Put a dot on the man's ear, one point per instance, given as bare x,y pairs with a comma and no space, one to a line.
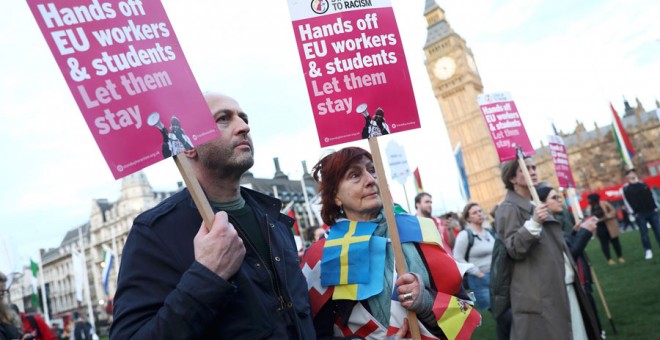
192,153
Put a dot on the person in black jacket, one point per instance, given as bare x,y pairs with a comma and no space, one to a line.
639,200
240,280
82,329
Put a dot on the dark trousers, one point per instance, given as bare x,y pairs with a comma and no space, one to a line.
503,325
642,219
626,223
605,240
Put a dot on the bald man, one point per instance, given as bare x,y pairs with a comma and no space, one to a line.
241,280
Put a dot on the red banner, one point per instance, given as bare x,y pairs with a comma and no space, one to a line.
505,126
129,77
560,159
355,69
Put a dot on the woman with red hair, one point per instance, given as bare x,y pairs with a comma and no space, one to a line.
352,206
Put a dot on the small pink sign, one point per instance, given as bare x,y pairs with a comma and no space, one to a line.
129,77
505,126
560,159
355,69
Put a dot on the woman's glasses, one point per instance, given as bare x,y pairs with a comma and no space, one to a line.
556,197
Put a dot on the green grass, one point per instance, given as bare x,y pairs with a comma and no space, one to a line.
632,292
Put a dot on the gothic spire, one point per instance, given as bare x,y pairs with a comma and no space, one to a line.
278,172
438,27
430,5
629,111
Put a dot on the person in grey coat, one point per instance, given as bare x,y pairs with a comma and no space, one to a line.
542,266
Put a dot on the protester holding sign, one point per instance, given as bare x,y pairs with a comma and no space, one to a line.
541,267
350,274
238,280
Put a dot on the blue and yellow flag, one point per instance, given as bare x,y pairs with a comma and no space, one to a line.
417,229
345,252
353,260
363,291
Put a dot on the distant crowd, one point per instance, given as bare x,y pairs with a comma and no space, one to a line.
234,271
15,324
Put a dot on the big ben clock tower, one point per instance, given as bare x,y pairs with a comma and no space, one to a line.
456,84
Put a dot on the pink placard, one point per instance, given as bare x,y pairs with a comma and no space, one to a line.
560,159
355,69
129,77
505,126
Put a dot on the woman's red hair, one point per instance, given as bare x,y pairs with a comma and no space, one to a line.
329,172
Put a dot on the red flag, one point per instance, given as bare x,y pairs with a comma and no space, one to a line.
296,229
622,140
418,180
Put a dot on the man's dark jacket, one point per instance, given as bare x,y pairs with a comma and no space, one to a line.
163,293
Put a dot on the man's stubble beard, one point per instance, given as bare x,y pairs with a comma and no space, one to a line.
427,213
424,212
222,161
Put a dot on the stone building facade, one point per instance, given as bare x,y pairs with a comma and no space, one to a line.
593,154
108,227
290,191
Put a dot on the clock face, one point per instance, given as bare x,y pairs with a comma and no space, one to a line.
472,64
444,68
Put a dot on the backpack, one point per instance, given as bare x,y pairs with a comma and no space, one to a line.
470,236
471,241
501,271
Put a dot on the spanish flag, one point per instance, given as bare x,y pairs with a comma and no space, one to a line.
456,317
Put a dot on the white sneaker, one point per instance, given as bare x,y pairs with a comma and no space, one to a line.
649,254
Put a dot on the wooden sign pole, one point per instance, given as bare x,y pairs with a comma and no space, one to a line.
195,189
405,192
528,178
575,205
388,206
